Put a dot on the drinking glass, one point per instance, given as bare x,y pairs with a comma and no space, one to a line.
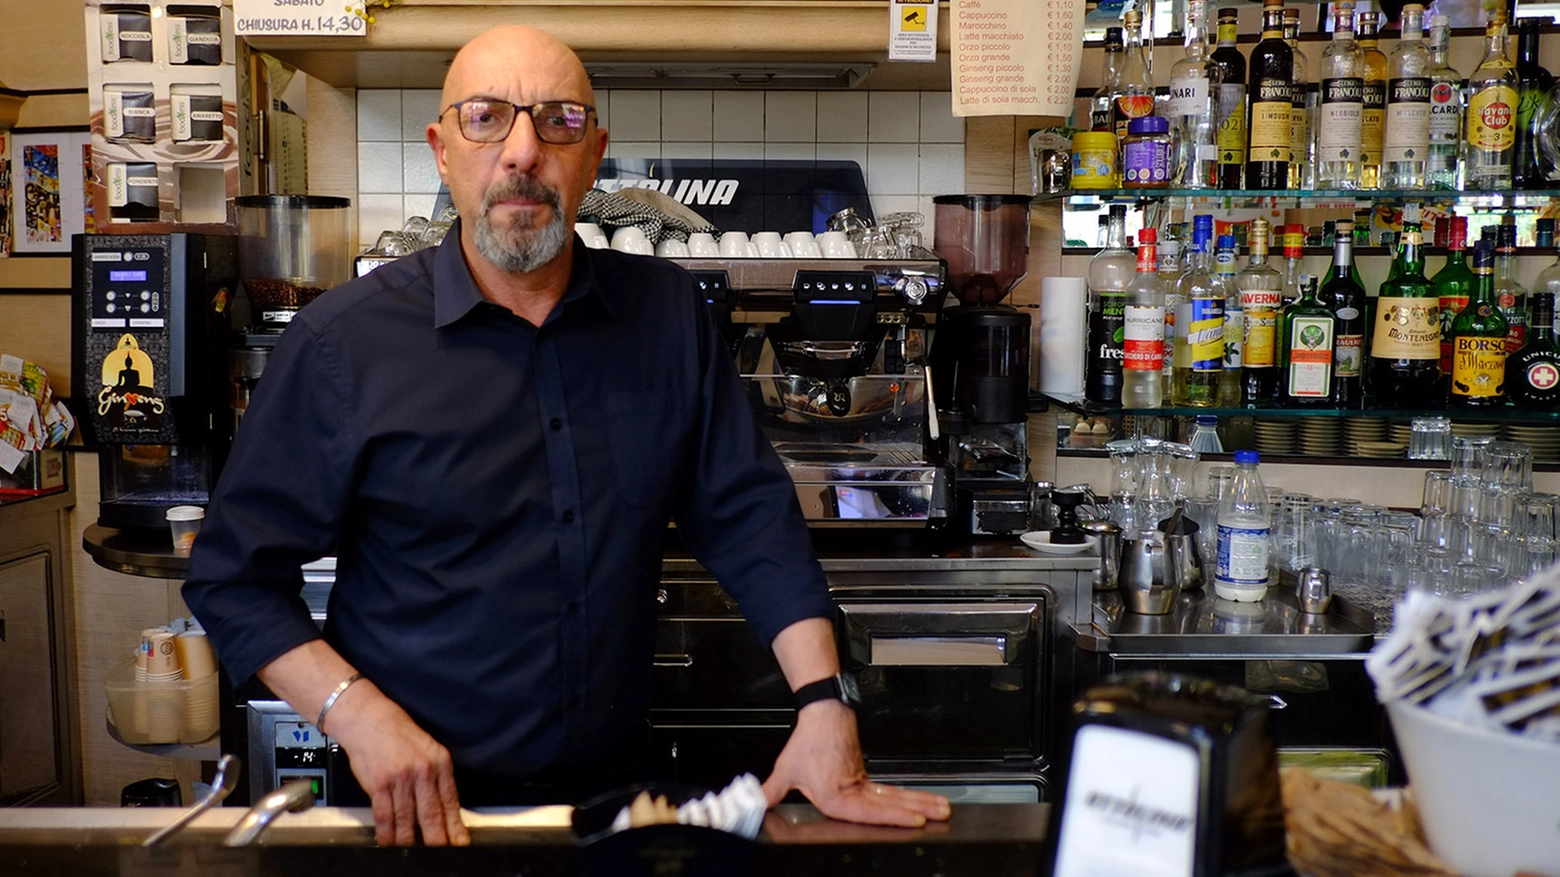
1219,480
1468,456
1498,505
1293,544
1437,497
1430,438
1508,464
1467,494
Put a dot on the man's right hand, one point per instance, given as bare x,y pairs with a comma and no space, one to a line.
406,773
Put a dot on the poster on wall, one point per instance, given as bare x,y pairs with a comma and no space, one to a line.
48,192
5,194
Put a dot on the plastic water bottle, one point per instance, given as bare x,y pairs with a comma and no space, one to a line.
1205,435
1244,528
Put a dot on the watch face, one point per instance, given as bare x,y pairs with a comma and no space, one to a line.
849,690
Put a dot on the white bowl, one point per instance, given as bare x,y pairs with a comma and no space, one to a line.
1489,800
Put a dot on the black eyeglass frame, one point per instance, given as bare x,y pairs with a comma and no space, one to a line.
527,109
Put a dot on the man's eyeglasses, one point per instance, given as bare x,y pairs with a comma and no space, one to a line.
485,120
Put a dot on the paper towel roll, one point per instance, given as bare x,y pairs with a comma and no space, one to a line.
1064,330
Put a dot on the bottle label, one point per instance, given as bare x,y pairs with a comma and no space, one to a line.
1270,121
1106,333
1373,118
1205,334
1188,97
1234,338
1259,311
1299,125
1170,346
1232,124
1311,357
1143,338
1243,555
1181,354
1407,328
1348,355
1478,365
1492,119
1128,107
1445,113
1451,306
1408,120
1338,126
1145,162
1542,376
1528,105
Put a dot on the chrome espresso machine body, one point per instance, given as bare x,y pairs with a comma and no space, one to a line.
833,352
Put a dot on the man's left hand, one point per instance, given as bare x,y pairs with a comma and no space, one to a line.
822,760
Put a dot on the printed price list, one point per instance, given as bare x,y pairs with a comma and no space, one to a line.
1016,56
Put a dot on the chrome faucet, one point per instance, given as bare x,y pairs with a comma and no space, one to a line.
222,785
295,797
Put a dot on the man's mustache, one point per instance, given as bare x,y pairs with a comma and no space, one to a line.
528,188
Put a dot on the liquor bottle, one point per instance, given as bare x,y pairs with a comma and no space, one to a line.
1479,342
1224,273
1272,68
1193,107
1533,373
1446,111
1453,284
1529,168
1406,143
1241,571
1143,320
1373,115
1231,138
1341,105
1261,289
1199,340
1105,98
1492,110
1306,365
1344,296
1110,274
1302,171
1292,242
1548,280
1405,346
1135,95
1510,295
1169,275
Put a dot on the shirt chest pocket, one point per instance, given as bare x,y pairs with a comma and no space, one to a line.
646,434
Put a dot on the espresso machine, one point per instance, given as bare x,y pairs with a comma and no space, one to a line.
980,357
833,353
151,317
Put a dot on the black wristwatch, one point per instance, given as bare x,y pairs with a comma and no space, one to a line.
840,686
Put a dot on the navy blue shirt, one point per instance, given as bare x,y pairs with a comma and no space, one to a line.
497,496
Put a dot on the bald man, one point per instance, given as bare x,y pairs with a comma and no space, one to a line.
491,436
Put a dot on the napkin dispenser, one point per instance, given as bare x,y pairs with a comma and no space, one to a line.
1170,776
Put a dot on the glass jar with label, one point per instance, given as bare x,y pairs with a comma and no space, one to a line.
1146,154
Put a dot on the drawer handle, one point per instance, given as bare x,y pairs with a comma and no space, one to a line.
672,661
939,651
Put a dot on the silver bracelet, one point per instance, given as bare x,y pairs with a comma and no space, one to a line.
319,723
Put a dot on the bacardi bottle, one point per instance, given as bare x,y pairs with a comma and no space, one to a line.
1341,105
1272,69
1442,168
1492,113
1406,143
1104,99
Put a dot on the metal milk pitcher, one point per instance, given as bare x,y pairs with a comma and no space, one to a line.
1145,587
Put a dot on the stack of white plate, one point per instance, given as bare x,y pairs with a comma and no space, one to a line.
1319,437
1462,429
1378,449
1544,440
1367,437
1274,436
1400,431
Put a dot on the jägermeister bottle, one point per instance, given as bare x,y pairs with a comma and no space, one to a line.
1307,365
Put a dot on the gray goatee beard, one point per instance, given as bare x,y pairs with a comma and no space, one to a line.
520,249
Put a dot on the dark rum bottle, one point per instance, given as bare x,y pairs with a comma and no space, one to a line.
1268,90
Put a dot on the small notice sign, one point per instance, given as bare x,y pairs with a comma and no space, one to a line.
299,18
1016,57
912,30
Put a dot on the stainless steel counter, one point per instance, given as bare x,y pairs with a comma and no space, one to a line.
1199,624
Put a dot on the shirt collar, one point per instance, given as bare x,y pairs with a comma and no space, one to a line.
455,292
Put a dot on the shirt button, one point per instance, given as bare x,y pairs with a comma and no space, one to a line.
556,424
568,516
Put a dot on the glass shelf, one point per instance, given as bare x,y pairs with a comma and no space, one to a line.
1503,197
1506,414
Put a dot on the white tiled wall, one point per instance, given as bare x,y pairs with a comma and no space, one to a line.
909,144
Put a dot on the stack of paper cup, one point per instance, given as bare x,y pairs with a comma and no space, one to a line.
199,664
163,688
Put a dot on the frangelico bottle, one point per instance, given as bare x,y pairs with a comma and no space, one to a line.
1231,138
1344,296
1110,273
1405,346
1533,372
1268,90
1479,342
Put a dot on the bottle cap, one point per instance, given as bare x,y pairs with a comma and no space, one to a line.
1148,125
1207,420
1507,236
1148,235
1244,457
1113,36
1226,242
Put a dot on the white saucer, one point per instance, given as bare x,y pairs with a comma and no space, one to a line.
1040,540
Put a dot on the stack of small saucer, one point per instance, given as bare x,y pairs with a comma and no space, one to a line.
1543,440
1319,437
1463,429
1400,431
1367,437
1274,436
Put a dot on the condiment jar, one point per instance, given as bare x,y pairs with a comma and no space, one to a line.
1094,160
1146,154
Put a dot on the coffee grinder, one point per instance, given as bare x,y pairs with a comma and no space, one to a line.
980,359
150,327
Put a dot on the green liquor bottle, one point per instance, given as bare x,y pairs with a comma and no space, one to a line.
1405,346
1344,295
1453,284
1307,366
1479,342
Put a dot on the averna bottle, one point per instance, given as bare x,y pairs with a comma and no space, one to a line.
1224,273
1340,105
1143,340
1105,98
1241,571
1135,97
1406,144
1492,110
1199,352
1344,295
1231,138
1110,274
1453,285
1306,366
1479,342
1272,68
1510,296
1193,106
1302,170
1261,291
1442,169
1374,115
1405,345
1529,169
1533,373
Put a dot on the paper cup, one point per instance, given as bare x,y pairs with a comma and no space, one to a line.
162,657
184,523
196,657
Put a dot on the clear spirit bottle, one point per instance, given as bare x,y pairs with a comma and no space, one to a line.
1193,107
1442,168
1340,106
1492,113
1406,144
